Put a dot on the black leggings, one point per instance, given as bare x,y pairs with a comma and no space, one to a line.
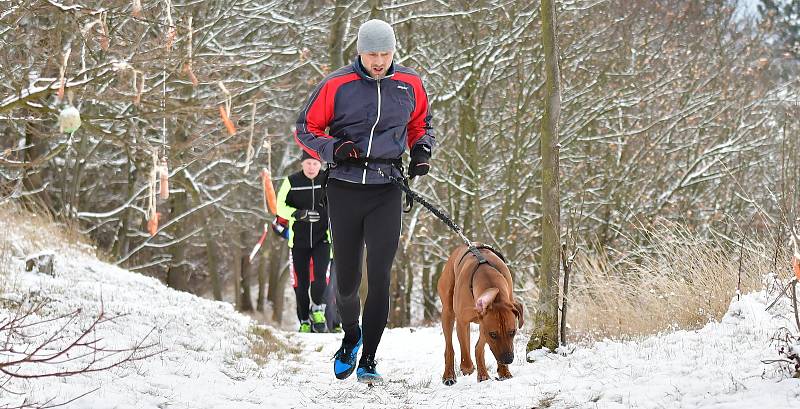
332,312
301,258
359,215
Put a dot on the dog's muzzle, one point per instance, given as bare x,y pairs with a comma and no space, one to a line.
507,358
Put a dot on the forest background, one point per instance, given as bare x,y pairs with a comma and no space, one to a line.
679,123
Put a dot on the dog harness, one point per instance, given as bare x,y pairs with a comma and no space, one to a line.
475,250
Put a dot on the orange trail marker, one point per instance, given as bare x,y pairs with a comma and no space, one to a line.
164,173
227,121
269,192
152,224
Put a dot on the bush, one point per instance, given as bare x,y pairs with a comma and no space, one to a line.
676,280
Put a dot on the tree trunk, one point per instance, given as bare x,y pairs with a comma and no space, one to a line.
427,293
245,268
262,280
237,270
335,51
212,259
545,332
279,305
181,203
33,179
122,242
409,287
376,9
397,291
468,127
273,275
277,283
430,279
81,157
177,270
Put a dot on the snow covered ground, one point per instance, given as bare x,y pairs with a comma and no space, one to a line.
207,361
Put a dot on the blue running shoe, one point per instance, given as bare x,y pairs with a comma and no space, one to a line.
366,372
345,359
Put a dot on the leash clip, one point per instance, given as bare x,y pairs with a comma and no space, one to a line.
402,180
475,252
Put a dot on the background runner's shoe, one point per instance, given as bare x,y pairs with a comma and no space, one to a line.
318,323
305,326
345,359
366,372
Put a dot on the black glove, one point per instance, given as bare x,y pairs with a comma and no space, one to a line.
420,161
304,215
344,150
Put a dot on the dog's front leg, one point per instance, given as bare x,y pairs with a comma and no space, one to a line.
462,331
502,372
448,319
483,374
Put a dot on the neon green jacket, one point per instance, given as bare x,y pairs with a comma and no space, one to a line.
299,192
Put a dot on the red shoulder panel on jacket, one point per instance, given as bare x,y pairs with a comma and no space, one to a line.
420,118
320,112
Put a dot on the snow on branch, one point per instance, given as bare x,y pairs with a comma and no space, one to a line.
33,346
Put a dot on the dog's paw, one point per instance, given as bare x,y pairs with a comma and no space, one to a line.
482,378
449,381
503,373
467,370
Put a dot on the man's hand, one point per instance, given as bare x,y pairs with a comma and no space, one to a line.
305,215
344,150
420,161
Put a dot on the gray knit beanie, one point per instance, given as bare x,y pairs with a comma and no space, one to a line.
375,36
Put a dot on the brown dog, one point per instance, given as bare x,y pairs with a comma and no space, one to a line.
479,293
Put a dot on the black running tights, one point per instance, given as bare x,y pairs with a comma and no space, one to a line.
364,215
301,280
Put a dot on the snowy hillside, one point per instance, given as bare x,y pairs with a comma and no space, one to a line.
215,358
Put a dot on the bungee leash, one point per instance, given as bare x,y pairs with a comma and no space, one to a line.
402,183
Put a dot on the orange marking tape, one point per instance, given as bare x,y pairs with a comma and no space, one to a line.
227,121
269,192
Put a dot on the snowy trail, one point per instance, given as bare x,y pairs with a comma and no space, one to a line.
207,364
718,366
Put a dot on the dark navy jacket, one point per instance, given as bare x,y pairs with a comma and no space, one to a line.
382,117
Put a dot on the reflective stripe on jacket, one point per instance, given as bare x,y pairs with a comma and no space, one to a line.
299,192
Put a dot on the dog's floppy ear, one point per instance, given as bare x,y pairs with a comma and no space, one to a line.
519,312
486,299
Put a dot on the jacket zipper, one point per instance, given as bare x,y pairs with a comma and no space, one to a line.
372,132
311,233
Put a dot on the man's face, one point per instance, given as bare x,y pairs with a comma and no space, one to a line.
311,167
377,63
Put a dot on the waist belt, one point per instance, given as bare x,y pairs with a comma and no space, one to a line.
362,162
397,163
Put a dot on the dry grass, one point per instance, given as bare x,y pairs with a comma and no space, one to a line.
264,345
26,229
546,401
679,281
5,266
33,229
